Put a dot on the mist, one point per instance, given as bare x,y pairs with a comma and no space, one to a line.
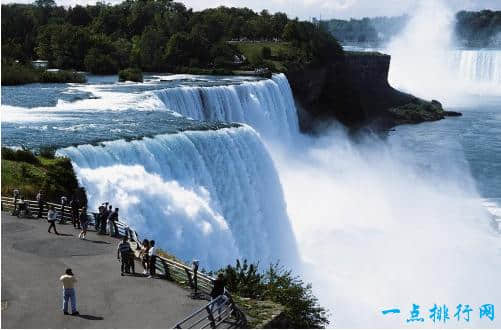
427,63
380,227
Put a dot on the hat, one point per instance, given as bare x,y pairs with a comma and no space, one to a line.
69,271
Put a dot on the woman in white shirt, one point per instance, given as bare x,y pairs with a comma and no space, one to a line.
51,218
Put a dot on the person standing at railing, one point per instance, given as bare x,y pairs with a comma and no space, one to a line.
41,202
64,202
145,247
217,293
84,222
195,265
74,204
103,219
69,281
152,253
51,218
16,197
112,219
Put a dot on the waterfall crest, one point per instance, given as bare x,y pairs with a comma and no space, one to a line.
212,195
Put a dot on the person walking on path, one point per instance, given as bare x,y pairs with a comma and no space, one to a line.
51,218
152,253
40,200
123,252
69,280
84,222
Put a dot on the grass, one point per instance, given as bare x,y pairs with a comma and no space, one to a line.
30,173
279,53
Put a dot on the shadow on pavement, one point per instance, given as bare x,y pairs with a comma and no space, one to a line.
61,234
97,242
90,317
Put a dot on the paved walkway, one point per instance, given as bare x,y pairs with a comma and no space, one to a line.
33,260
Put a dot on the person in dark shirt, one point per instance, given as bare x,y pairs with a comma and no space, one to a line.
123,253
218,292
74,204
113,218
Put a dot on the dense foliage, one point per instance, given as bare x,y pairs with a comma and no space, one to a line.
28,172
375,31
280,286
153,35
130,74
479,29
15,74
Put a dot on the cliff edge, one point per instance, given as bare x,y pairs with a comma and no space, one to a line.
354,90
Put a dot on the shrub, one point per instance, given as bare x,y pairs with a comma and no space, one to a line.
278,285
17,74
266,52
21,155
49,153
62,76
130,74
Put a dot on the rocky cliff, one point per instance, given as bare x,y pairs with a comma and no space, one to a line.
354,89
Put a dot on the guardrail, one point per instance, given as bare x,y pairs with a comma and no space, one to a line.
165,268
206,317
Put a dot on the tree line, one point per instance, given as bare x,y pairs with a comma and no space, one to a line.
479,28
153,35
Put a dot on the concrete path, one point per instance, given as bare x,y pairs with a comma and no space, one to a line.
33,260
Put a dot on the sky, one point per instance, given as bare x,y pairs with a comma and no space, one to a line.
326,9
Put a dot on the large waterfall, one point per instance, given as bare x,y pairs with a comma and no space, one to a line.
480,66
267,105
212,195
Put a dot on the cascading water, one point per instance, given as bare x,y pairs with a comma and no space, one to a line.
267,105
212,195
478,66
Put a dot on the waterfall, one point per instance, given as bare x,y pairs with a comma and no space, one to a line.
212,195
482,66
267,105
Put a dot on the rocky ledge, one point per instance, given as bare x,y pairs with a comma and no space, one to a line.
354,90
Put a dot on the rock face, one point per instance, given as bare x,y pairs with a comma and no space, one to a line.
354,89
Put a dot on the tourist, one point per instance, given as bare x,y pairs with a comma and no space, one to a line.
74,204
40,200
217,291
152,254
69,280
104,218
51,218
195,265
123,254
143,255
97,220
84,222
16,197
64,202
112,219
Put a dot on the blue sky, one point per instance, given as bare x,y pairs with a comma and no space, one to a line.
305,9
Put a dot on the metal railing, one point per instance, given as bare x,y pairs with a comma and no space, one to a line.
165,268
212,315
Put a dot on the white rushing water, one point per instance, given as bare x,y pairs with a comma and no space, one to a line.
267,105
210,195
375,227
478,66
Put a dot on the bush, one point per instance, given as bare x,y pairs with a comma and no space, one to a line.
130,74
280,286
62,76
49,153
266,52
21,155
17,74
